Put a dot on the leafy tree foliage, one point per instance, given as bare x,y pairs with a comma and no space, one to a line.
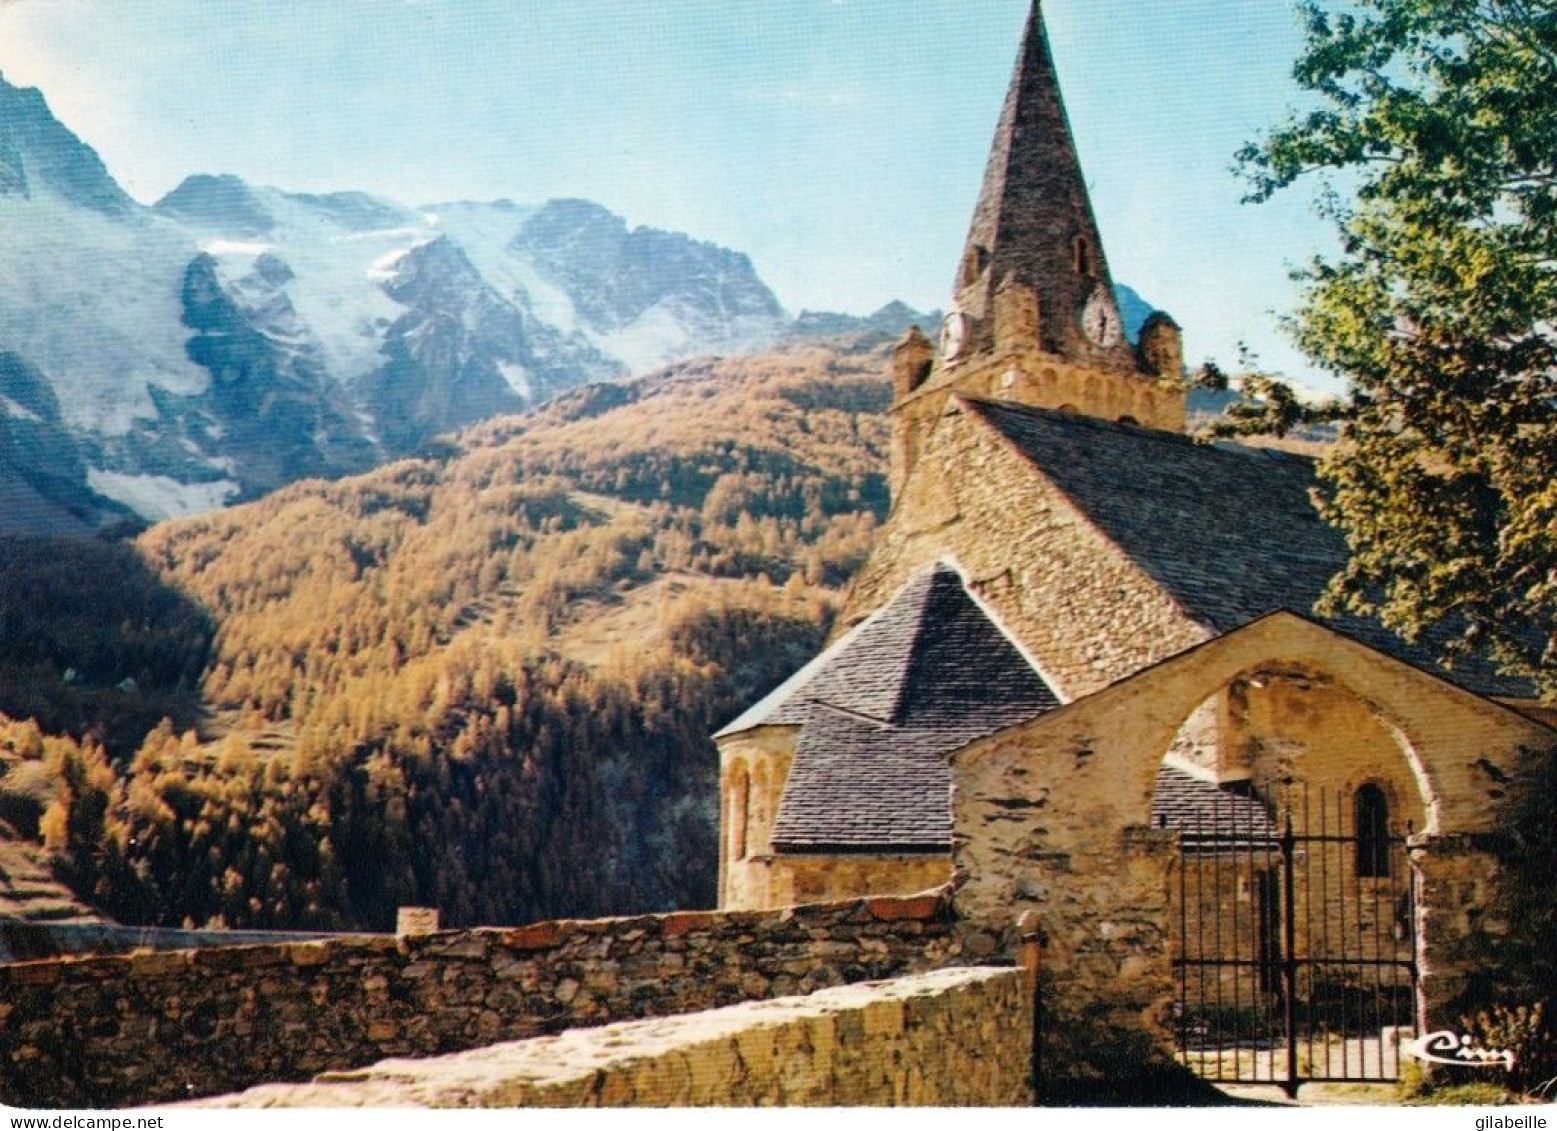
1433,136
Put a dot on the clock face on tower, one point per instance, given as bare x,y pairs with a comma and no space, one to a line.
1099,319
954,335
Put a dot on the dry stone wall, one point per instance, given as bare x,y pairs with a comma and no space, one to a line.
956,1037
142,1028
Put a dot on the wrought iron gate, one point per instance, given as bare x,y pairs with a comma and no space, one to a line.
1296,960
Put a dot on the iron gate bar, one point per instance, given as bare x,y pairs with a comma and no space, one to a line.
1320,996
1269,914
1289,936
1308,920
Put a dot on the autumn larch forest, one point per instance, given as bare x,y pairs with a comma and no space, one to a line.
482,679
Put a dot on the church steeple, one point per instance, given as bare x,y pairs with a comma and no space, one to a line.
1033,231
1033,319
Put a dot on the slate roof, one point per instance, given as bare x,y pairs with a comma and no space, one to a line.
1228,531
880,711
1209,815
1033,208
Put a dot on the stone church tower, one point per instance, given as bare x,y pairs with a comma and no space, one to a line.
1033,318
1082,640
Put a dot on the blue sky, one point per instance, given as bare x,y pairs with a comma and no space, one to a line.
840,143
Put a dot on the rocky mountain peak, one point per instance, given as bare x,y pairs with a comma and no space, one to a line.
245,336
615,274
39,155
223,203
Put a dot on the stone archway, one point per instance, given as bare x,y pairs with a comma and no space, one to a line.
1054,816
1281,728
1296,944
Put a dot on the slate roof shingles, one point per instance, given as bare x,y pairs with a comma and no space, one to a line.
882,710
1229,532
1209,814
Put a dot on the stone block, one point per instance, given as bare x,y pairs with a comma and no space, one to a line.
416,921
457,945
157,964
44,973
679,923
883,1018
889,910
615,1089
258,957
309,954
535,936
226,958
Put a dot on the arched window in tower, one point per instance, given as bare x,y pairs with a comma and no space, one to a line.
974,260
1083,256
740,799
1370,811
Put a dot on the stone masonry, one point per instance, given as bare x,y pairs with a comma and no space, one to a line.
144,1028
957,1037
1054,816
1056,581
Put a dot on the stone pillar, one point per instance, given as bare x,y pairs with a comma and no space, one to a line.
1162,346
1459,932
1016,315
1029,956
416,921
1107,987
911,362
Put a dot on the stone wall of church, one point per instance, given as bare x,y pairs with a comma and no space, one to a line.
1032,834
1031,378
144,1028
957,1037
753,768
791,879
1084,612
1478,895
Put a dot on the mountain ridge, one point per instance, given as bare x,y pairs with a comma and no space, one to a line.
230,338
355,328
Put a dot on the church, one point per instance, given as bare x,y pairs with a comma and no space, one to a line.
1082,635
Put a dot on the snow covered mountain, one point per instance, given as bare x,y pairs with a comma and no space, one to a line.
229,339
161,361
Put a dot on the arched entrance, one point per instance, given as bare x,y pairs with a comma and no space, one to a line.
1055,815
1296,947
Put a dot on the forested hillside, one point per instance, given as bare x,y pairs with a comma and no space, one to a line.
482,679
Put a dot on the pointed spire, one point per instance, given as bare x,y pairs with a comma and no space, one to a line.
1033,225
